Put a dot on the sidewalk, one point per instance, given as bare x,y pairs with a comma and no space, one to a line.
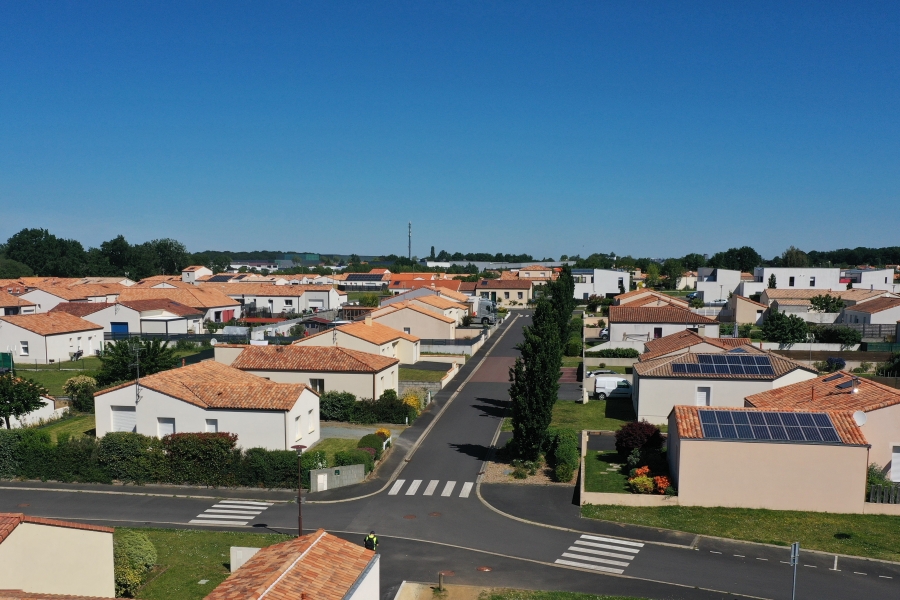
274,495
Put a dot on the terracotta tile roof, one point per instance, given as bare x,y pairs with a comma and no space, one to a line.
210,384
686,339
467,286
408,305
819,394
791,302
9,521
406,277
264,289
654,300
503,284
876,306
380,271
51,323
81,291
662,367
193,268
80,309
191,296
687,419
375,333
746,299
656,314
8,300
855,295
536,268
327,359
162,304
643,296
747,276
318,566
439,302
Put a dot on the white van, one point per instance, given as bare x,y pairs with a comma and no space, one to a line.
611,387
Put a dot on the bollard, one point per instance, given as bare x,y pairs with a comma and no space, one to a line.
440,582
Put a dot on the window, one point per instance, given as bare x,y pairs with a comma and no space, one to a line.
124,418
895,464
165,426
623,385
506,295
657,333
23,348
584,296
289,303
212,426
318,385
812,282
790,282
299,431
406,330
485,295
70,342
312,420
703,396
520,295
217,316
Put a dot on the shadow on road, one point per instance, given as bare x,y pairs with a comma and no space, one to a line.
490,407
478,451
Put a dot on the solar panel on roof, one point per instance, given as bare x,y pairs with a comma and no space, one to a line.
845,385
751,370
740,418
749,360
692,368
733,360
805,420
778,432
721,369
766,370
720,359
737,350
752,425
761,432
707,368
763,360
220,279
736,369
821,420
705,359
744,432
833,377
679,368
711,431
707,416
811,434
728,432
829,435
790,419
724,416
794,434
756,418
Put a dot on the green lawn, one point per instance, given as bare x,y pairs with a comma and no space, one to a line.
331,446
189,556
422,375
89,363
602,475
53,380
75,426
873,536
536,595
571,361
606,415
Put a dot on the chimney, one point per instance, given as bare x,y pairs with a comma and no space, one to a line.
369,319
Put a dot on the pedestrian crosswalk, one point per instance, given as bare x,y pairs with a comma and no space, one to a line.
431,488
231,512
608,555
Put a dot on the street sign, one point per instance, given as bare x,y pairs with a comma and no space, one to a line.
795,553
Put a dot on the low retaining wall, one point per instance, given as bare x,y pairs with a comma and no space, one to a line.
431,386
592,361
871,508
458,359
335,477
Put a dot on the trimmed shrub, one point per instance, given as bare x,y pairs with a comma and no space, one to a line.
36,457
639,435
9,452
374,442
565,454
201,458
386,409
573,347
80,390
383,433
641,485
337,406
131,457
355,457
75,459
613,353
133,555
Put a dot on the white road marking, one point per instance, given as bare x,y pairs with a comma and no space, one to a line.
466,488
600,552
583,553
413,487
740,556
811,566
207,522
231,512
714,552
605,561
246,502
885,577
395,489
448,488
244,518
612,541
586,566
432,485
607,546
858,573
762,559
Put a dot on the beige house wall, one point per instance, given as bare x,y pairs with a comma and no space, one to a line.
418,324
882,431
507,297
361,385
58,560
405,351
746,312
226,355
809,477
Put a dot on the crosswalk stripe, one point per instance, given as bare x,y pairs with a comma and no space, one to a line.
466,488
599,560
448,488
600,553
431,487
246,502
205,522
608,546
236,517
587,566
612,541
413,487
225,511
396,487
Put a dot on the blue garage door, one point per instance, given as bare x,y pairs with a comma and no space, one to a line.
119,329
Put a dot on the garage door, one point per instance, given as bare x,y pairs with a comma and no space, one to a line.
124,418
317,304
118,329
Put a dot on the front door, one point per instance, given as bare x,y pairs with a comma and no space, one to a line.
493,296
895,464
321,482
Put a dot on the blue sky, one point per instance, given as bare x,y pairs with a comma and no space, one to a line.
647,128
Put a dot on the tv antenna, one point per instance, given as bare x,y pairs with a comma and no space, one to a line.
137,349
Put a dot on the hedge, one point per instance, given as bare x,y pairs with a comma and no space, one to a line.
209,459
613,353
133,556
355,457
374,442
343,406
566,455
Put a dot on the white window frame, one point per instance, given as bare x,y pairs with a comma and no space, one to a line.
298,427
317,384
708,397
312,421
895,468
212,426
164,420
23,348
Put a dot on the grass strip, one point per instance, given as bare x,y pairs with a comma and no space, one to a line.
76,426
331,446
872,536
422,375
605,472
606,415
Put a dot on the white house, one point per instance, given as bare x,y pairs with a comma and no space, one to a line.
368,336
688,341
644,323
871,279
47,296
212,303
882,311
159,316
800,278
212,397
600,282
281,298
721,379
716,284
324,369
47,337
193,273
13,305
410,318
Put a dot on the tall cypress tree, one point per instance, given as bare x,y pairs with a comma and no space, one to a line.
535,381
561,294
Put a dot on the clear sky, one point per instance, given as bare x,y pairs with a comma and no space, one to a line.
649,128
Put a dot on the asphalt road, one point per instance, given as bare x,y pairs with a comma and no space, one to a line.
430,518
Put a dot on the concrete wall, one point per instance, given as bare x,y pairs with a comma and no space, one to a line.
46,413
619,332
885,317
825,279
58,560
335,477
600,282
43,349
227,355
362,385
116,314
745,311
715,284
810,477
274,430
405,351
882,431
43,301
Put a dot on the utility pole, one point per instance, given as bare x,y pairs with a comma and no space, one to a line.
137,364
795,559
409,243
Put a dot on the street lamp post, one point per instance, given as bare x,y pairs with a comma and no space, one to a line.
299,449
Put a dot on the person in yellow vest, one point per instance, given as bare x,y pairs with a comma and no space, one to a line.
371,541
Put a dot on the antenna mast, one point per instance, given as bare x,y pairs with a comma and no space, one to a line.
409,243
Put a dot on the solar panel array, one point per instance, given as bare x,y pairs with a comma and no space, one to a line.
219,279
766,426
727,364
364,277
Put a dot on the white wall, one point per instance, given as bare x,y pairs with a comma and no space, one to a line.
885,317
419,325
45,412
41,350
116,314
725,281
825,279
358,384
619,332
881,279
601,283
43,301
368,587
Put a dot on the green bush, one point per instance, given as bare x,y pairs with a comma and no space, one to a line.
201,458
563,472
641,485
336,406
614,353
131,457
80,390
354,457
573,347
875,476
835,334
75,459
9,452
566,455
374,442
386,409
133,555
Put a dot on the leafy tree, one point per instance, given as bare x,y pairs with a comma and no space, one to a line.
693,261
744,258
593,302
118,359
13,269
784,329
672,269
652,279
45,254
171,256
297,330
18,397
369,299
827,303
794,257
772,282
561,294
80,390
535,382
696,302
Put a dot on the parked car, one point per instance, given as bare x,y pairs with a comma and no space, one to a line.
719,302
611,387
604,333
597,372
693,295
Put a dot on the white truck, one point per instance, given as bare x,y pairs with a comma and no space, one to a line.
611,387
482,311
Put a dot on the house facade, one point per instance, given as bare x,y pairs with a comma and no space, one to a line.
412,319
629,323
505,292
605,283
49,337
11,305
368,336
882,311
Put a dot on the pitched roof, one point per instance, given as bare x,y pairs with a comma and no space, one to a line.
191,296
7,300
408,305
876,306
467,286
643,296
71,292
310,358
161,304
81,309
823,393
656,314
662,367
210,384
746,299
318,566
536,268
439,302
193,268
9,521
374,332
51,323
240,288
687,419
503,284
854,295
685,339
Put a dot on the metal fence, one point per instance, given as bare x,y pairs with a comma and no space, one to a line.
881,347
884,494
873,332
